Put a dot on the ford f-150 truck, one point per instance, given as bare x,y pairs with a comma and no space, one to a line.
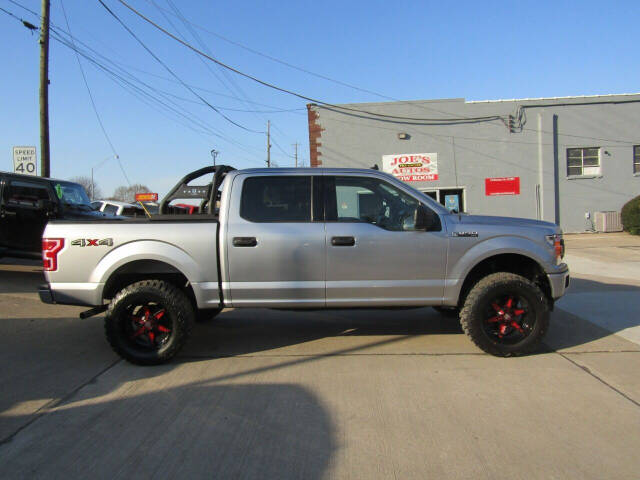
305,239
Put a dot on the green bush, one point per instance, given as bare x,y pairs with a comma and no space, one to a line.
631,216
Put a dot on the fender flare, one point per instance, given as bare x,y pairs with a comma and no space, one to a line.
145,250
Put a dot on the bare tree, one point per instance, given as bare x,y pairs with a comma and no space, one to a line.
86,183
128,193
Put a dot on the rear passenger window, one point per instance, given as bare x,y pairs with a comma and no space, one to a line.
276,199
25,194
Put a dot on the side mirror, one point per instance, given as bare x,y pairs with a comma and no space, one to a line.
425,219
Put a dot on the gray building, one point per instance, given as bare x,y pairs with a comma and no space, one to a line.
556,159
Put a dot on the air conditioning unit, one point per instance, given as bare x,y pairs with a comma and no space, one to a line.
608,222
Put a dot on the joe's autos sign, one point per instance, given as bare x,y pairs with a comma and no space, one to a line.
412,167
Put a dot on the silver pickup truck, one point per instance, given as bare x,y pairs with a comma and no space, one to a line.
305,239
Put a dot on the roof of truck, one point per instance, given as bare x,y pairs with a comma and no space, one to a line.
36,178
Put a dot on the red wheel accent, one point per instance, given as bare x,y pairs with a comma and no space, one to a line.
138,332
159,315
163,329
504,318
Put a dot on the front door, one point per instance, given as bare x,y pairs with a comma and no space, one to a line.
374,255
275,243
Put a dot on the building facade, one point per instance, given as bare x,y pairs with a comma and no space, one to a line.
555,159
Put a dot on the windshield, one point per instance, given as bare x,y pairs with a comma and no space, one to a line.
72,194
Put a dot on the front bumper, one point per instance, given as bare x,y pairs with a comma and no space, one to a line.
559,283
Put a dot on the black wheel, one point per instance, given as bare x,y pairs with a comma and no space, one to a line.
148,322
204,316
505,315
451,312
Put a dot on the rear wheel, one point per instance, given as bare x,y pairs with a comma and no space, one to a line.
505,315
148,322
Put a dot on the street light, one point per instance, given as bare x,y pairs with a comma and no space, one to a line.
95,167
214,154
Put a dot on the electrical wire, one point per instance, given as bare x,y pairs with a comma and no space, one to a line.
112,13
299,95
86,84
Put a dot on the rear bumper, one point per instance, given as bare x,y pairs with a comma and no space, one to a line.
46,295
82,294
559,283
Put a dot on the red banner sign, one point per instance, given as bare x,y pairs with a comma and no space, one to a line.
502,186
146,197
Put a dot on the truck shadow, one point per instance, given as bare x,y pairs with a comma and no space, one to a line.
21,277
198,430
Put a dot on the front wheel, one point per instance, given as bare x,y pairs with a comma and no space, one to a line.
148,322
505,315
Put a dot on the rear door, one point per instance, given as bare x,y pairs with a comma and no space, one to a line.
374,255
275,242
25,216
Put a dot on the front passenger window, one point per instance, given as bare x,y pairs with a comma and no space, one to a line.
370,200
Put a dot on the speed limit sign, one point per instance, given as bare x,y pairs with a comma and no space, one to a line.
24,160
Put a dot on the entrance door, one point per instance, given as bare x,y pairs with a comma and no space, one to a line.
452,199
275,243
374,254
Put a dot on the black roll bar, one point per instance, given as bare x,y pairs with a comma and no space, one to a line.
207,193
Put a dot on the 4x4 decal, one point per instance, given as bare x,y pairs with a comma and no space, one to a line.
92,242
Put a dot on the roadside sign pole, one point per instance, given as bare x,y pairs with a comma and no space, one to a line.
44,91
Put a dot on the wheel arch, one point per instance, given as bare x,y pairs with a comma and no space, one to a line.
517,263
144,269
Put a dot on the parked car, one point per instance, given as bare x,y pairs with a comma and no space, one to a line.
306,238
116,208
27,203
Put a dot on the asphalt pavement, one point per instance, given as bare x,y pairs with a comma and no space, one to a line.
336,394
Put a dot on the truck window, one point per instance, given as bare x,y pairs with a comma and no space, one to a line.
370,200
25,194
276,199
110,209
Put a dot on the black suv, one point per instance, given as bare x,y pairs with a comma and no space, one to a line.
27,203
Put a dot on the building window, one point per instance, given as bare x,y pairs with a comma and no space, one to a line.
583,161
636,159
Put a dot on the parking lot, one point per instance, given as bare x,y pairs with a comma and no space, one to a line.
337,394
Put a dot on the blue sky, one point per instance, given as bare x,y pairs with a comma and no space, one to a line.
406,50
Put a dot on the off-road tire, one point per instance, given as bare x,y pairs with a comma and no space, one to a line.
451,312
178,308
472,313
207,315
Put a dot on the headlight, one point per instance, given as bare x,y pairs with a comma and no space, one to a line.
556,241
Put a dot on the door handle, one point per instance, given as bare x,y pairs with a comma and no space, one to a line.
343,241
245,241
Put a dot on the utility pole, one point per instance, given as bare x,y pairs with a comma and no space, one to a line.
44,91
268,144
295,155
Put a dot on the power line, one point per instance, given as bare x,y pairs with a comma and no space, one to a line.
86,84
172,72
144,96
299,95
